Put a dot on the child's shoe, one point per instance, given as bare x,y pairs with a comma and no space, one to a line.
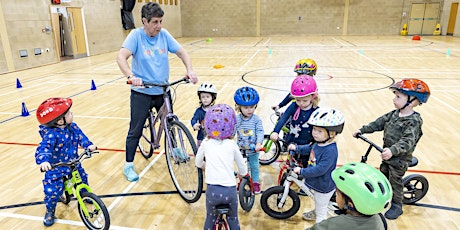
394,212
130,174
49,218
311,215
257,188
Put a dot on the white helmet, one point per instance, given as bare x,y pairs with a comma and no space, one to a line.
207,88
330,119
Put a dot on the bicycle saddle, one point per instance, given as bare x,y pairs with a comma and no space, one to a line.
223,209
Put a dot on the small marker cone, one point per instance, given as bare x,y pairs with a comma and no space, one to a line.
270,51
18,83
24,111
93,86
448,52
361,52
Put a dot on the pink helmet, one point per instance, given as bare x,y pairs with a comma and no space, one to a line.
303,85
220,121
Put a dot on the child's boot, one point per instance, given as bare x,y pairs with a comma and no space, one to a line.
257,188
49,218
394,212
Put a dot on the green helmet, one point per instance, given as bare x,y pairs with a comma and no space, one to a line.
367,187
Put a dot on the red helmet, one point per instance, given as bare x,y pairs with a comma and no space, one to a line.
52,109
413,87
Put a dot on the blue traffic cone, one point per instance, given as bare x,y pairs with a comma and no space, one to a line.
18,83
93,86
24,112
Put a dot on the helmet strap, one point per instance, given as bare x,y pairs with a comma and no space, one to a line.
328,138
409,101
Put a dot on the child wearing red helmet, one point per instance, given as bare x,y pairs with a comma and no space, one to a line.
402,129
60,140
221,153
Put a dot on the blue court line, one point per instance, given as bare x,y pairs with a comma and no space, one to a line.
454,209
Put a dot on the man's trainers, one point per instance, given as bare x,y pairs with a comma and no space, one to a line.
49,218
130,174
183,157
257,188
311,215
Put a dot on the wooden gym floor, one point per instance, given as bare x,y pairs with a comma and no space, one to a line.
353,75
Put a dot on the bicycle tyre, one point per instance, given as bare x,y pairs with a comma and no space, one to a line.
270,199
145,142
99,215
272,151
415,187
187,178
245,195
65,198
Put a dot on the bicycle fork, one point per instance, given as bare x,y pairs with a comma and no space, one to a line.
282,197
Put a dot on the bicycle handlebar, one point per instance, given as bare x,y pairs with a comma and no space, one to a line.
84,155
360,136
150,84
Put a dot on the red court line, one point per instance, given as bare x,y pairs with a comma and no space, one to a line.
122,150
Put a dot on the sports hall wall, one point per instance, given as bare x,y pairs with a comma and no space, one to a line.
23,22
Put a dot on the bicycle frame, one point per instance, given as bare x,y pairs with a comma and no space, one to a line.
297,179
79,185
179,146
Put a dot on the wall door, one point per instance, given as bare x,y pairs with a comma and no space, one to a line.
77,32
423,18
452,18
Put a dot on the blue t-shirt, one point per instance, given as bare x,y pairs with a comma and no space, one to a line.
150,57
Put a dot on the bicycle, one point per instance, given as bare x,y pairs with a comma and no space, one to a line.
272,152
222,211
415,185
246,194
92,210
180,146
281,202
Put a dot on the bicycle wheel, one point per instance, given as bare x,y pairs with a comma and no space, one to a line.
271,153
98,215
180,154
415,187
145,142
245,195
271,198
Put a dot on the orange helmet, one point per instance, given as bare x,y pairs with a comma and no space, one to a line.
53,109
413,87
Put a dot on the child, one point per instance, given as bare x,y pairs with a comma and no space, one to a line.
220,151
402,129
249,129
304,66
207,94
327,124
362,193
60,140
305,91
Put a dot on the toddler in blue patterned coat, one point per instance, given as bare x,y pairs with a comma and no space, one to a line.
60,141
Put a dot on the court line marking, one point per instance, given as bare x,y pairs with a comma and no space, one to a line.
60,221
131,185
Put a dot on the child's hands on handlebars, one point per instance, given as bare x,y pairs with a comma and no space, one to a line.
45,166
355,134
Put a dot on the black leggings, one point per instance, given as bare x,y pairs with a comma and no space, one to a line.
140,104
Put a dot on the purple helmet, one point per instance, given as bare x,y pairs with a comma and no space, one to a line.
220,121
